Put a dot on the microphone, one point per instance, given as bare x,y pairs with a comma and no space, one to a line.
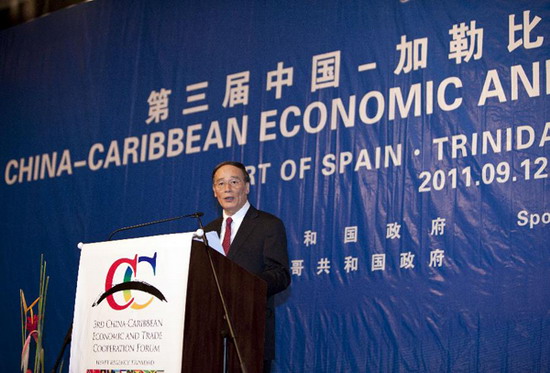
196,215
201,229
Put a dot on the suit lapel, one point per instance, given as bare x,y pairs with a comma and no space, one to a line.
246,228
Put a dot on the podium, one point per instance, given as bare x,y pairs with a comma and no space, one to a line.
245,296
153,304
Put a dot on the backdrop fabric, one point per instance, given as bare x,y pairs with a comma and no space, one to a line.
404,144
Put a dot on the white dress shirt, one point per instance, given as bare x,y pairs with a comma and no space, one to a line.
237,217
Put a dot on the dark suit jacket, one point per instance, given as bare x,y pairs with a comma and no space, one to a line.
260,247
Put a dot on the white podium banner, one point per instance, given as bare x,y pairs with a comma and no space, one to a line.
130,305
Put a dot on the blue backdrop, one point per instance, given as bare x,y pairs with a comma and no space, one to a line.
404,144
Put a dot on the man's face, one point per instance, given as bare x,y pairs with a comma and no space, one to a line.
230,189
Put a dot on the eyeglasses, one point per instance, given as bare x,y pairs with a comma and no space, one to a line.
233,183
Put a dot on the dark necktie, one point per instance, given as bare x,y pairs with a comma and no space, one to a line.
227,237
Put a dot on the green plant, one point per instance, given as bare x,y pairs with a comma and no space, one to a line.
32,324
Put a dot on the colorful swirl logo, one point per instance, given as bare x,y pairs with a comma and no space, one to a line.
129,284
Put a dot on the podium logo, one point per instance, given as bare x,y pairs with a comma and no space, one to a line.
122,295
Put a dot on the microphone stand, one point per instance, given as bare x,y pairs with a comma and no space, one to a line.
68,336
66,342
225,310
195,215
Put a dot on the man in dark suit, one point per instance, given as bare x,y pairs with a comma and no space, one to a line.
254,239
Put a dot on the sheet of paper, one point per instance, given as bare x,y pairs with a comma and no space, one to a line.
214,241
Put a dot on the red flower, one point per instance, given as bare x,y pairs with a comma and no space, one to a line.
32,323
